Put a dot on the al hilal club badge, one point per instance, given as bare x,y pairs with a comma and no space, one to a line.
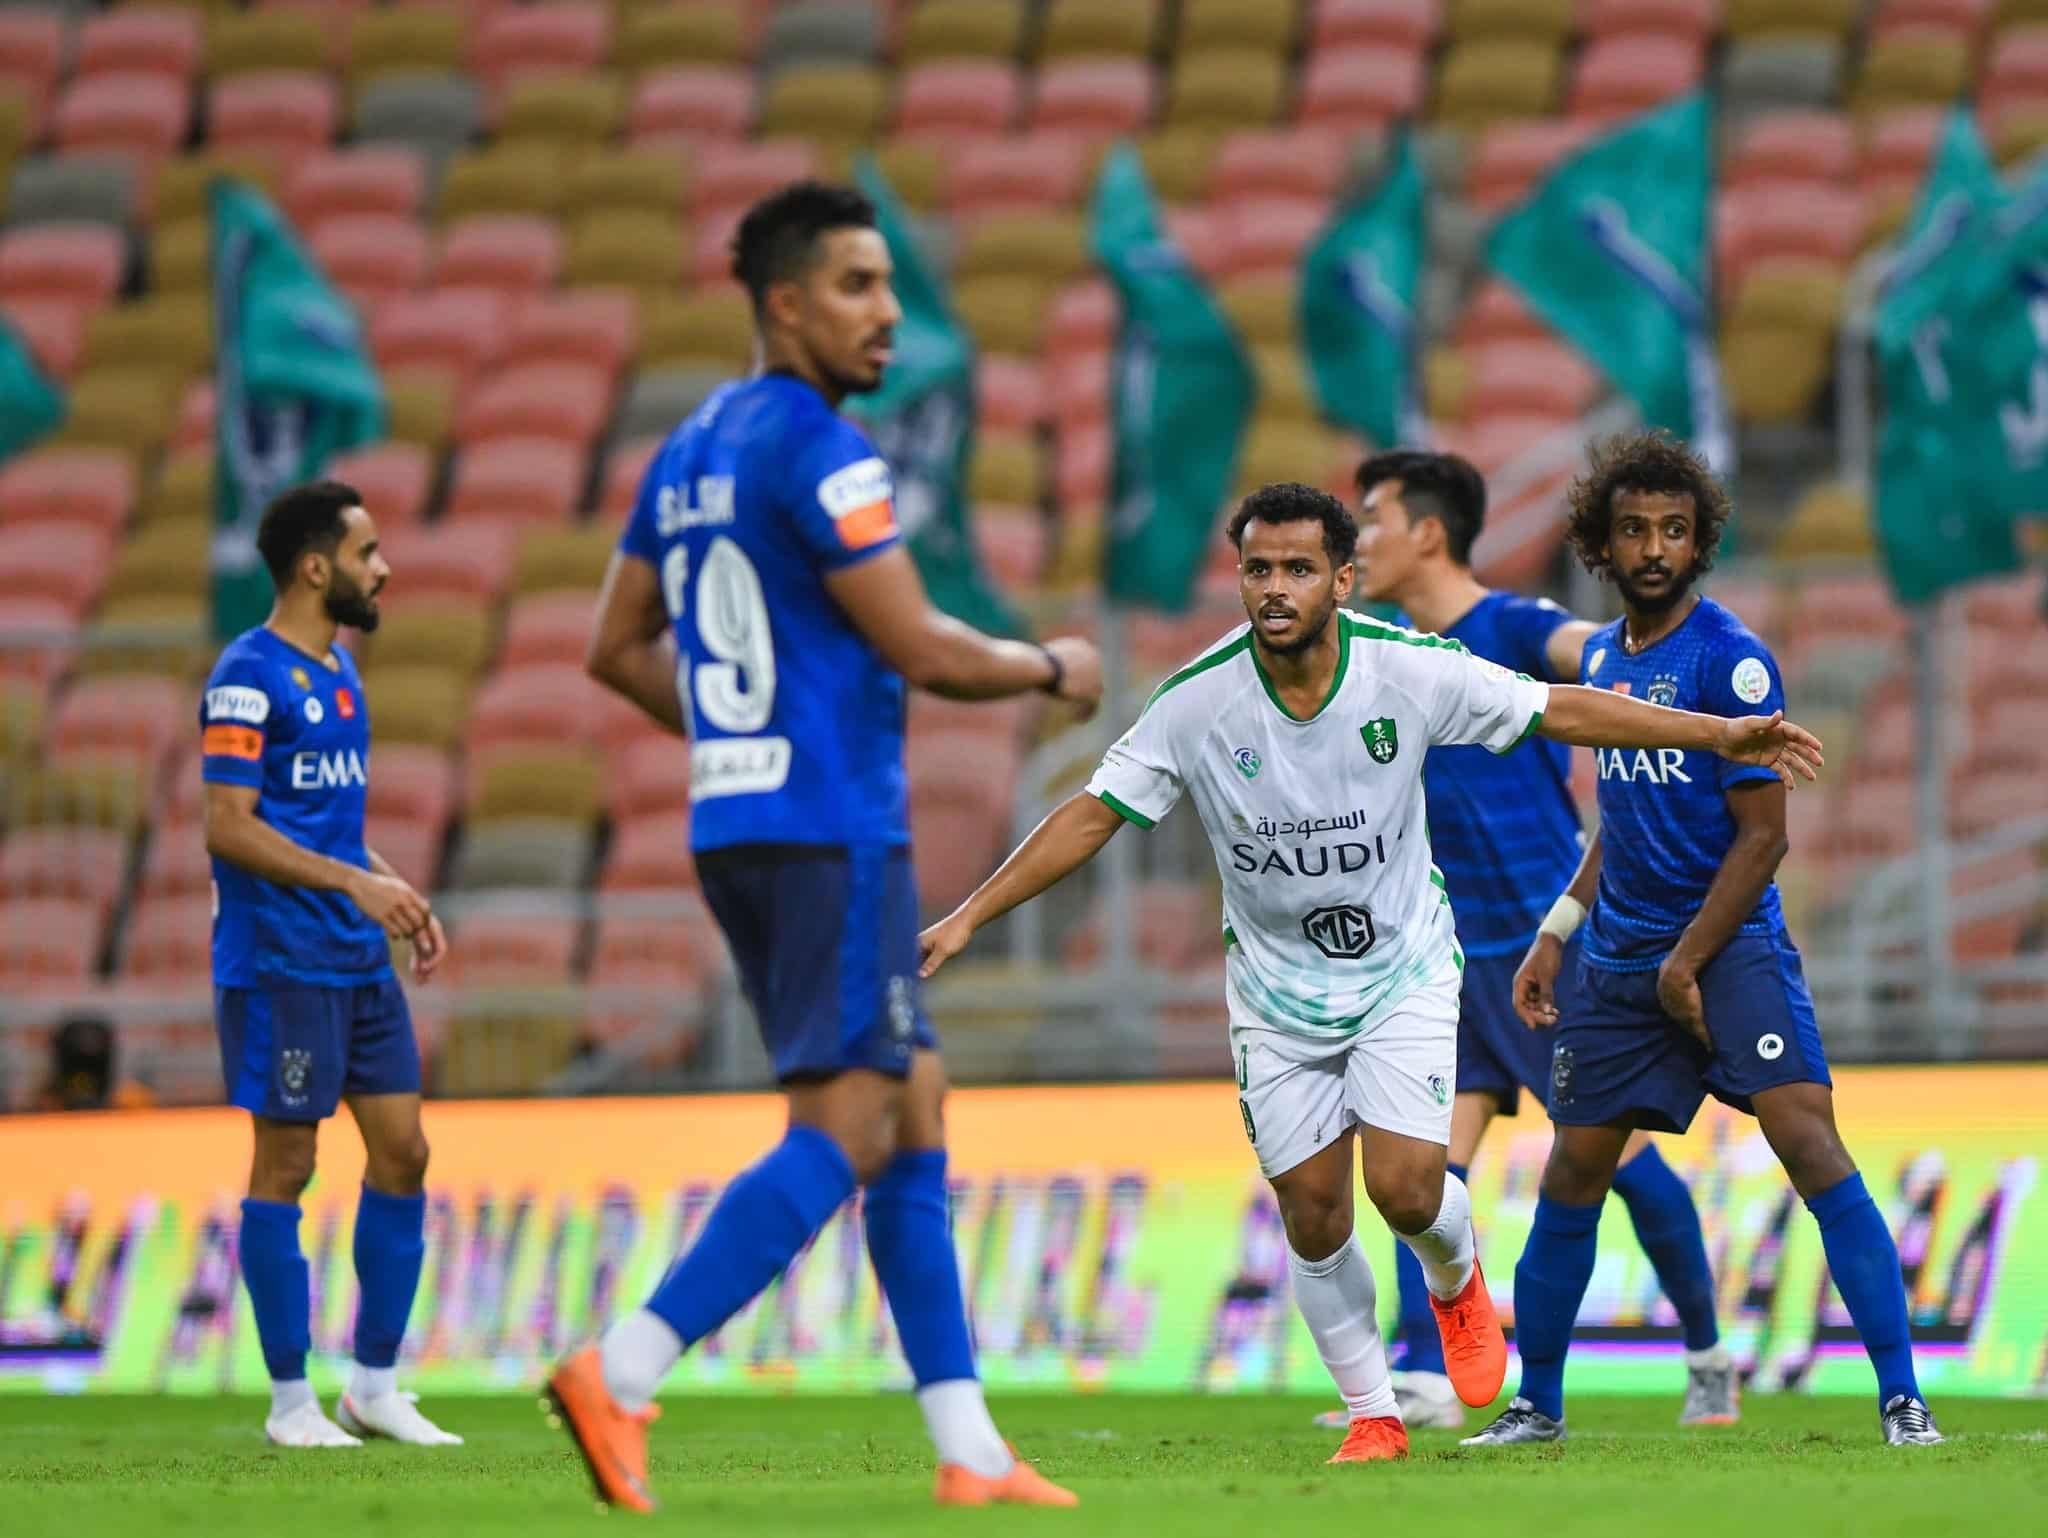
1381,740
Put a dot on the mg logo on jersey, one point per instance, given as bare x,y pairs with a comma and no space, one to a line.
1382,741
1640,765
1343,933
328,771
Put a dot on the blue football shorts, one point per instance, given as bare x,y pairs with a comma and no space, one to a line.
289,1052
1496,1052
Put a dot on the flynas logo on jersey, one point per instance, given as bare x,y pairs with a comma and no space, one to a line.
328,771
1640,765
1343,932
1381,740
232,703
1247,763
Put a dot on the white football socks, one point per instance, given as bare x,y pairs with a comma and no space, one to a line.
1445,1247
637,1353
367,1383
1337,1297
956,1415
287,1394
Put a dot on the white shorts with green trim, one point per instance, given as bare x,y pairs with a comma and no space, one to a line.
1299,1094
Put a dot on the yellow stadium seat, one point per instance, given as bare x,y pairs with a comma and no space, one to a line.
167,614
1179,160
122,407
1912,70
111,794
1446,384
182,493
1790,295
839,102
1264,26
1262,308
179,253
1008,469
1226,90
1047,247
1774,375
650,181
1485,82
440,634
963,29
1278,450
677,36
713,328
1004,314
916,170
181,184
406,40
577,112
420,405
421,703
2021,135
561,782
1284,393
559,560
632,249
21,723
515,179
1075,28
248,42
174,331
160,560
1493,21
1830,520
1748,20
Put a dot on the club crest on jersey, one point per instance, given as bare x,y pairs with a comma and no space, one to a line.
1247,763
1382,741
1663,691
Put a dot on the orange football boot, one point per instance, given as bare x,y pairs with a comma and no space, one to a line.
1475,1351
612,1439
1021,1486
1373,1439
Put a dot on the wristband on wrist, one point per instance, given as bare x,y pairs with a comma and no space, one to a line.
1059,670
1563,919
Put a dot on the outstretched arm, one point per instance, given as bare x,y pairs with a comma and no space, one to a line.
1057,847
1600,718
1566,647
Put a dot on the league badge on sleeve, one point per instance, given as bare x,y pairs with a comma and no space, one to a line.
1751,680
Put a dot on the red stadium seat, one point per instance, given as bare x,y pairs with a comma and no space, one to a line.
92,487
542,402
117,717
412,782
517,481
372,258
1897,148
956,98
652,775
1687,21
623,473
1848,609
170,939
1619,76
1029,174
64,562
140,41
2014,603
548,627
1531,378
1176,924
1083,318
31,62
730,177
82,263
711,252
380,180
1081,466
394,478
596,327
1266,235
178,864
47,943
192,431
683,946
1962,19
1793,146
511,254
1014,544
185,792
542,704
1512,158
470,561
53,330
1765,220
650,853
1093,99
1358,89
1497,313
285,113
1079,391
1281,164
50,626
2018,63
556,38
1402,25
84,864
413,848
692,105
1009,393
135,114
456,332
510,949
1207,237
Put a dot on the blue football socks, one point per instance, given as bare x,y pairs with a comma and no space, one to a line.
763,1218
390,1243
1864,1262
1550,1283
280,1287
910,1241
1422,1344
1668,1228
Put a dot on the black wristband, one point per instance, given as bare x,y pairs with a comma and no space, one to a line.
1059,671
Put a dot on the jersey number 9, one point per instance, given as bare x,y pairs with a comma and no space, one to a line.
736,693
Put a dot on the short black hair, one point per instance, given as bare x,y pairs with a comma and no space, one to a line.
1652,462
1292,502
304,518
1446,487
779,235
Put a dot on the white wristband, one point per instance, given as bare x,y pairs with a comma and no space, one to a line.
1564,917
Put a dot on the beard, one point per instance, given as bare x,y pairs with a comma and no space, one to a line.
1656,603
349,605
1312,630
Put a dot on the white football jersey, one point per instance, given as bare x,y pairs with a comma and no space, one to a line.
1333,912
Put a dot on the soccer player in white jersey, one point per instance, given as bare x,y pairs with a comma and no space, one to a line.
1301,736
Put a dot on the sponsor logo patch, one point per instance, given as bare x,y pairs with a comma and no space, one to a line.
327,771
1247,763
858,500
232,702
232,742
1770,1046
345,702
315,711
1751,680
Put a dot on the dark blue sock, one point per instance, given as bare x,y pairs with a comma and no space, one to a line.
391,1241
910,1240
1422,1345
765,1215
1865,1265
1668,1228
280,1287
1550,1283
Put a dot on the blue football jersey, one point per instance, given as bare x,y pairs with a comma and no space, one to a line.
1665,826
1504,828
296,731
796,722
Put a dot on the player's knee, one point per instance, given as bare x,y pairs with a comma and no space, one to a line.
1813,1155
401,1170
282,1170
1571,1177
1408,1200
1318,1224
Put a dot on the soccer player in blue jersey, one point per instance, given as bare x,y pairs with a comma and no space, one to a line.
1688,982
308,1009
765,544
1506,835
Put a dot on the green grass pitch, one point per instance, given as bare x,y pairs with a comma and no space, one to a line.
1180,1466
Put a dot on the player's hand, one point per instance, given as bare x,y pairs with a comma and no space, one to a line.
1775,743
942,942
1536,983
429,945
1081,681
391,903
1678,991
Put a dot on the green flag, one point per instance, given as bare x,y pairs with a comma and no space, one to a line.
1961,326
294,386
922,421
29,404
1611,250
1182,391
1357,306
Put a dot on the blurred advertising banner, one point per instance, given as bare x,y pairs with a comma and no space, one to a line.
1114,1237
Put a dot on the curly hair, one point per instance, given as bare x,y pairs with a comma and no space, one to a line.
1652,462
1292,502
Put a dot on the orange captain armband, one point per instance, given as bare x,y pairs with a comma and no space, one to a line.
232,742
